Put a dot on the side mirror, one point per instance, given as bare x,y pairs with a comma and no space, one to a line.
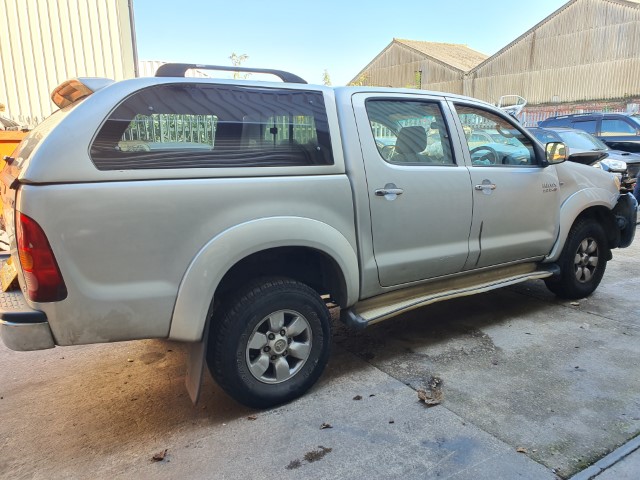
556,152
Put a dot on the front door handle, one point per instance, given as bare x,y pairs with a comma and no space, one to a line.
381,192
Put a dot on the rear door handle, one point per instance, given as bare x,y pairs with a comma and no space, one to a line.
390,192
489,186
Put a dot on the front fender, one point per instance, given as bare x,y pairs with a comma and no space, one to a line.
626,212
572,207
222,252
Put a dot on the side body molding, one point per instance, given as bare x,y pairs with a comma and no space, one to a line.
572,207
229,247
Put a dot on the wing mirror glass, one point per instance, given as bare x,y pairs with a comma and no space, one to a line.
556,152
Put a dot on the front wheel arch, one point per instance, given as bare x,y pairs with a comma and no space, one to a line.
582,262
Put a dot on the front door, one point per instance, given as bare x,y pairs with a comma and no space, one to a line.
419,195
515,199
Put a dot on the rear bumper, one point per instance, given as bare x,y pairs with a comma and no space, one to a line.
21,327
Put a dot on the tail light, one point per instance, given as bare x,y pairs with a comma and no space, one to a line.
41,273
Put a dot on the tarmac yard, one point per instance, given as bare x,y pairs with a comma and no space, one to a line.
524,386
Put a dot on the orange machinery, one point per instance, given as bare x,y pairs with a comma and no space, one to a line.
9,140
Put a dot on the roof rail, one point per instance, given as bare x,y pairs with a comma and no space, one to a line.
179,70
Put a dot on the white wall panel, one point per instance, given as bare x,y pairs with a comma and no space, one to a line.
45,42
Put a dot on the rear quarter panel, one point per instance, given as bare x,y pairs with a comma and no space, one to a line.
124,247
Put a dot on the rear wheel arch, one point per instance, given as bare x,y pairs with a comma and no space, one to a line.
221,263
306,265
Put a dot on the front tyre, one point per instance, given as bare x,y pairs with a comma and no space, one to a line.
582,262
270,343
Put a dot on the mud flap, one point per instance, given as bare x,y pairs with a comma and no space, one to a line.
196,355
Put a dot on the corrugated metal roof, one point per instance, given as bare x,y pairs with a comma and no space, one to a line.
457,55
627,3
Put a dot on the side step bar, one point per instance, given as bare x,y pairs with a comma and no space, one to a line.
387,305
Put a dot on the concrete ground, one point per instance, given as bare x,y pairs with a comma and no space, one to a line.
532,387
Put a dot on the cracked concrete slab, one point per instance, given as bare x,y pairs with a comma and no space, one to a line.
530,384
557,378
91,412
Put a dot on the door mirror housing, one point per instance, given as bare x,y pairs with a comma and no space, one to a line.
555,152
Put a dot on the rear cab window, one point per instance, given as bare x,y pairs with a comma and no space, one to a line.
589,126
208,126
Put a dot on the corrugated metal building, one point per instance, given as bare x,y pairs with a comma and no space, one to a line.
586,50
43,43
414,64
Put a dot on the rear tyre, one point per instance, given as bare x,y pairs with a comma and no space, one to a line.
270,343
582,262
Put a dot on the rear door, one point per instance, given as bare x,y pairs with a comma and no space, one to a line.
515,199
419,189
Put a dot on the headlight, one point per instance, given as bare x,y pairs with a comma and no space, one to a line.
617,165
616,180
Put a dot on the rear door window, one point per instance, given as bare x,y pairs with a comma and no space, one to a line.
209,126
410,132
589,126
616,127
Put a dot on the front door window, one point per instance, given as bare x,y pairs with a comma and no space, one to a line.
493,141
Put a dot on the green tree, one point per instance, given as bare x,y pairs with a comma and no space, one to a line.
361,81
326,79
237,61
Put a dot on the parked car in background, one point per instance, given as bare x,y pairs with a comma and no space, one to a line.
620,131
587,149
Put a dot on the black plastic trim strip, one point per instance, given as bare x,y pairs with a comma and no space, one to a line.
179,70
33,316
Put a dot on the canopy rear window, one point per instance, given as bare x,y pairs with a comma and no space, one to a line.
213,126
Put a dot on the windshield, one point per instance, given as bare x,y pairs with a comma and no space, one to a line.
581,141
546,136
635,118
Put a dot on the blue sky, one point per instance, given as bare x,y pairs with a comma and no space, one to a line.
306,37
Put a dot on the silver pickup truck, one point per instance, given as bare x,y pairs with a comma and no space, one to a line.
229,213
